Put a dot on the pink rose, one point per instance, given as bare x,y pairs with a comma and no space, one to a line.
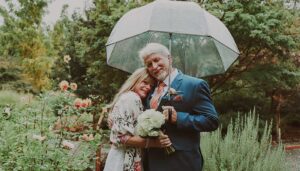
84,103
78,103
64,85
89,101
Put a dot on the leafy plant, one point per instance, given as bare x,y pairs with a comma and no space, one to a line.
29,142
242,148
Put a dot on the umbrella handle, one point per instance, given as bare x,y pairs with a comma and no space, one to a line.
169,115
169,70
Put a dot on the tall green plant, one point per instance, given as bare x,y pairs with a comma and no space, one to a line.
244,147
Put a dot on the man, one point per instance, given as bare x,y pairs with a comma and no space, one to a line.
193,112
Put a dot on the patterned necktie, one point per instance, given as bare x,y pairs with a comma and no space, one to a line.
158,94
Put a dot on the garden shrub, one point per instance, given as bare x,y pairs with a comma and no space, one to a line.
242,148
23,148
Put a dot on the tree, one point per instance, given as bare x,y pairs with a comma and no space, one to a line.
267,35
22,37
84,40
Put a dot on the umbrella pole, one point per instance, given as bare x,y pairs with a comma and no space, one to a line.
169,70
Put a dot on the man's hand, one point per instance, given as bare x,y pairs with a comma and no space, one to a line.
166,110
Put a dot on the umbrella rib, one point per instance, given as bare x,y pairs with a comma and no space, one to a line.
151,35
174,33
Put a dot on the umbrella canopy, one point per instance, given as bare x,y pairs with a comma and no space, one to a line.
201,44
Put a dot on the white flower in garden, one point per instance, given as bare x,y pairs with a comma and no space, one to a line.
149,123
67,58
73,86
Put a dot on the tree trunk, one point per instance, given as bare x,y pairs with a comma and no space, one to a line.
277,116
277,101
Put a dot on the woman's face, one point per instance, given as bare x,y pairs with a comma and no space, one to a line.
142,89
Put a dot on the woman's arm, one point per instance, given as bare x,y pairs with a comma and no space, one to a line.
160,142
123,119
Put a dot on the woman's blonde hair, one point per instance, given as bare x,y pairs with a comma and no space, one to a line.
136,78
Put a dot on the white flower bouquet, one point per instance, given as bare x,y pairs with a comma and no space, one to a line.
149,124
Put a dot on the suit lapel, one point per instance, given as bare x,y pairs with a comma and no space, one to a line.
177,81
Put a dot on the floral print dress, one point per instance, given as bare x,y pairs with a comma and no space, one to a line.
124,116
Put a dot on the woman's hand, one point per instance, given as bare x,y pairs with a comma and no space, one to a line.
164,140
161,142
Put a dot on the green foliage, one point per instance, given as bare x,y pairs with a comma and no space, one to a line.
12,98
242,148
22,37
9,98
84,40
59,100
256,24
267,35
255,88
11,76
21,150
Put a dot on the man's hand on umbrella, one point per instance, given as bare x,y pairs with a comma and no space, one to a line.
170,114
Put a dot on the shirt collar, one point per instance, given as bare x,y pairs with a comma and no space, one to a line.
173,74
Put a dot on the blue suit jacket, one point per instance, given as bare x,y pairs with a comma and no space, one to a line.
195,113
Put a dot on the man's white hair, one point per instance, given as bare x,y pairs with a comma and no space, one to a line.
153,48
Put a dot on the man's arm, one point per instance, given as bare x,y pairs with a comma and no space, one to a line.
205,118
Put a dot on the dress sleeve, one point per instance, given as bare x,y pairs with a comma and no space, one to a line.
124,115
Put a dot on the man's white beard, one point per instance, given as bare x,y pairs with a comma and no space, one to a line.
162,76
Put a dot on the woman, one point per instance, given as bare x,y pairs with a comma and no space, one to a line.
125,152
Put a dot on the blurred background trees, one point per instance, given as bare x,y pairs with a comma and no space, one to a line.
265,76
23,41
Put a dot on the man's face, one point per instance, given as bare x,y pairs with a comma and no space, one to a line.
157,65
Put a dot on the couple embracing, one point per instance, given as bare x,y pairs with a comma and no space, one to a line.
193,113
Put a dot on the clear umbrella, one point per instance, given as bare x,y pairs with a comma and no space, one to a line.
200,44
